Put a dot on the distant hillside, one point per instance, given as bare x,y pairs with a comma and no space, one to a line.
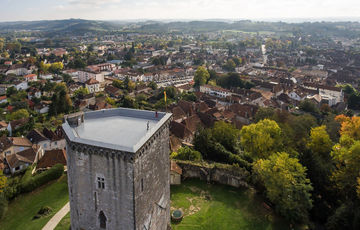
79,26
69,25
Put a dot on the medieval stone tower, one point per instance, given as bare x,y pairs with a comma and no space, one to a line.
118,169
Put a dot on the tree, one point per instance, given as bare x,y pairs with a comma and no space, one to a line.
3,180
152,85
44,68
3,200
308,106
320,142
346,155
201,76
60,101
11,91
56,67
21,113
81,92
79,63
286,185
118,84
264,113
349,126
226,134
262,139
230,65
186,153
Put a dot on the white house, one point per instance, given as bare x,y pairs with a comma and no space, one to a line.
297,95
215,91
92,85
83,76
21,85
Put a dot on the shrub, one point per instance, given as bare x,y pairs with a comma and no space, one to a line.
187,153
34,182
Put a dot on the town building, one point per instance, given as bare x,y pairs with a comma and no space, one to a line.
118,169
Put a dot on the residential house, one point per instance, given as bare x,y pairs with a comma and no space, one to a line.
57,138
3,125
5,147
113,91
92,85
51,158
21,85
43,107
38,138
215,91
3,99
17,163
19,144
179,130
18,69
13,125
34,92
86,75
30,77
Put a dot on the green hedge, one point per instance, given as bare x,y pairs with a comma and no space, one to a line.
34,182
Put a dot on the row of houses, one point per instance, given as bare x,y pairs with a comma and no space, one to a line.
44,148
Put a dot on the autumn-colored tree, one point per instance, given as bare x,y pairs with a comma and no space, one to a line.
201,76
261,139
286,185
349,126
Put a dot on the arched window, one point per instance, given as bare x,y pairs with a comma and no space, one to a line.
102,220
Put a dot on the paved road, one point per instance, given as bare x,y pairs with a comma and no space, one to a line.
57,218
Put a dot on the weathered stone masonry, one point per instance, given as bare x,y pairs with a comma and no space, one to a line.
121,189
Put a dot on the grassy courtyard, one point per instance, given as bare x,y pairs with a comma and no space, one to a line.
221,207
22,210
205,207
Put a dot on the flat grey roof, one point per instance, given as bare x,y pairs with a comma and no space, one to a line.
121,129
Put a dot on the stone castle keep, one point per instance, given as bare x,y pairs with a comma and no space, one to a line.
118,169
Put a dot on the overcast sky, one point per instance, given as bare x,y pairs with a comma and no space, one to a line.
18,10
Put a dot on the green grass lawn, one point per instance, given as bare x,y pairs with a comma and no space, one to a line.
214,207
64,223
23,208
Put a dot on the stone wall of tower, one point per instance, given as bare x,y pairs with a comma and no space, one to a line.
85,165
152,182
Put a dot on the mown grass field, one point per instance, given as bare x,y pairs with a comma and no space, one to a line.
213,207
23,208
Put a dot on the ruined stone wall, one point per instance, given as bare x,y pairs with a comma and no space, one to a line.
219,173
85,164
152,182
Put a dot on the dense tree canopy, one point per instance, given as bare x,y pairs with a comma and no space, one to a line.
201,76
286,185
261,139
